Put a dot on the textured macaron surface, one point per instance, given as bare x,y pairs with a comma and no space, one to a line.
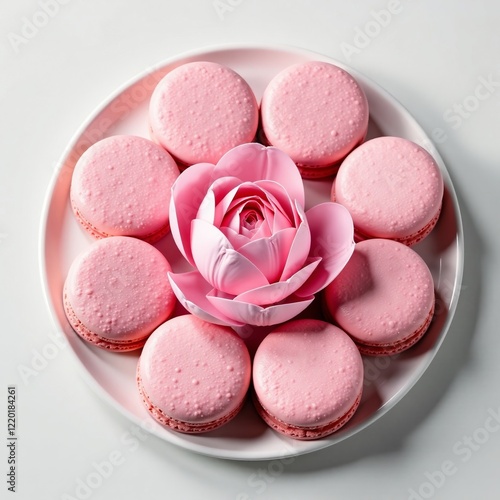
383,295
194,371
307,373
121,186
118,288
316,112
391,186
201,110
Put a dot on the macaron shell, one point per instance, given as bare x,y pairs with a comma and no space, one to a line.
201,110
308,374
178,425
302,433
121,187
393,189
92,338
118,290
383,298
315,112
194,373
400,346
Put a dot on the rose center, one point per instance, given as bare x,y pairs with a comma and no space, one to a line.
251,218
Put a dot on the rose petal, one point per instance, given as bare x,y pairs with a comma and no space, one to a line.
240,195
252,314
254,162
276,292
300,248
270,254
233,217
279,198
332,239
217,261
208,208
191,290
247,191
237,240
280,221
188,191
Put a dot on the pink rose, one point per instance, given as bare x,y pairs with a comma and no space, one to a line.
258,257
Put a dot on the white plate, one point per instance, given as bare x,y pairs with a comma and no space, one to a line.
113,374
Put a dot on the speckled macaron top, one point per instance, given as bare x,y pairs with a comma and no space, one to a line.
384,295
201,110
121,187
307,374
315,112
118,291
392,187
194,373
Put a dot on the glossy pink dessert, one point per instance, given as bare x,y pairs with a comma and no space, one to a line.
384,297
117,292
201,110
121,187
193,376
393,189
316,113
308,379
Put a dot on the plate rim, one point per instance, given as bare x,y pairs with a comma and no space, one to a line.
203,449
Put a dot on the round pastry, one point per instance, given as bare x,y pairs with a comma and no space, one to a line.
316,113
201,110
393,189
383,298
193,376
121,187
308,379
117,292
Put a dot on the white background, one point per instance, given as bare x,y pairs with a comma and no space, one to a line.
431,56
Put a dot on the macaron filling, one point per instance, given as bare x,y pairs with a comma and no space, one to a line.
396,347
180,425
152,237
304,433
98,340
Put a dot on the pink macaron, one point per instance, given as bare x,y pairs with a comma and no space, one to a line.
393,189
308,379
201,110
117,292
384,297
315,112
193,376
121,187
